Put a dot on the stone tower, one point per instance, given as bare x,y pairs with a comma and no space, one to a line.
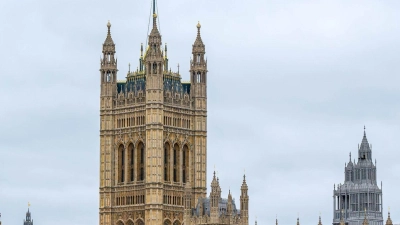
153,135
359,199
28,220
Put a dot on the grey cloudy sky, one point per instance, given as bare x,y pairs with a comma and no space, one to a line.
290,86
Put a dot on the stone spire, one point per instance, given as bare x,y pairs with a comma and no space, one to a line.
298,221
109,41
364,152
198,42
244,202
28,219
389,220
154,31
229,205
215,196
319,220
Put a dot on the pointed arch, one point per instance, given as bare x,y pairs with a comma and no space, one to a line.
121,163
129,222
167,222
139,222
120,222
140,161
177,222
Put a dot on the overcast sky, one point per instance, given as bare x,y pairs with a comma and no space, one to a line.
290,86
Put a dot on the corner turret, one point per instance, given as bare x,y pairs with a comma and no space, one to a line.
244,202
28,219
389,220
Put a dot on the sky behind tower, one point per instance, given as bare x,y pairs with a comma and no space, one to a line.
290,86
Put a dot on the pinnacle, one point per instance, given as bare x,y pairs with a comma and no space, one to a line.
109,40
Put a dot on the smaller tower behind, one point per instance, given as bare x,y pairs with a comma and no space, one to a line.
388,221
215,196
244,202
28,219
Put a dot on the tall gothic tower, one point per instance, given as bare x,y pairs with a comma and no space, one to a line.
153,135
28,220
359,199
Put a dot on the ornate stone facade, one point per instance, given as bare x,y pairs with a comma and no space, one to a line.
359,199
217,210
153,135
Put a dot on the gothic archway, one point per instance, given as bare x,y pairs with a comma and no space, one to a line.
121,162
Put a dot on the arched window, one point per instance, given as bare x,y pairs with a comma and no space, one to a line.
167,159
140,161
198,77
176,164
154,68
185,163
108,76
198,58
131,157
121,163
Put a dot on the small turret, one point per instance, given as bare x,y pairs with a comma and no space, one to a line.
28,219
229,204
389,220
215,196
319,220
364,151
244,202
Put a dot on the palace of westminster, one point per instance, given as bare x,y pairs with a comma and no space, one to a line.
153,150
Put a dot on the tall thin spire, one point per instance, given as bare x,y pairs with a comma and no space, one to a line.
154,15
109,41
364,132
